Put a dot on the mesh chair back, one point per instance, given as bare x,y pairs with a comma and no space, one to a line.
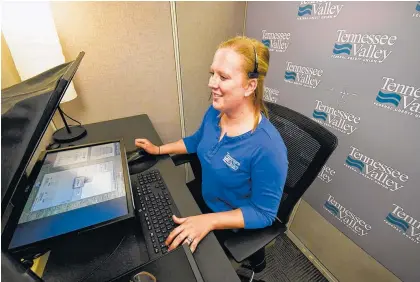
309,145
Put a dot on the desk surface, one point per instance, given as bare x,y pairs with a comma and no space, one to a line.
210,257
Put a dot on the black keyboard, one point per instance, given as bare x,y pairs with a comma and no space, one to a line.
155,208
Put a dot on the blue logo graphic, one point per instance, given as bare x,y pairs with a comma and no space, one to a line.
355,163
392,98
290,75
266,42
418,6
402,224
331,208
305,10
342,48
320,115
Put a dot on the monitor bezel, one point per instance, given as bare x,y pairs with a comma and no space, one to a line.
43,245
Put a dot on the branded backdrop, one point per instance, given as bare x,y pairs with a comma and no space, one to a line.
354,67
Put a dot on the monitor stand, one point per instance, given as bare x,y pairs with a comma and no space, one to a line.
68,133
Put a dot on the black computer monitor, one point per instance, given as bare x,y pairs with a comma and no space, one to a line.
27,110
73,190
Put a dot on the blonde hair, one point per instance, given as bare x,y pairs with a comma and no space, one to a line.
245,46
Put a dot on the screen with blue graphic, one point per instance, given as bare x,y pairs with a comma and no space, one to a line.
74,189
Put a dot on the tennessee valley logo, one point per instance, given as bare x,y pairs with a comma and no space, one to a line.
302,76
404,223
337,119
326,174
276,41
399,97
346,216
417,12
366,47
231,162
315,10
376,171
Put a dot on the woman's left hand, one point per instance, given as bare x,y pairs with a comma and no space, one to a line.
190,230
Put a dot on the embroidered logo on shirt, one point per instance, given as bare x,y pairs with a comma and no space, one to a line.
231,162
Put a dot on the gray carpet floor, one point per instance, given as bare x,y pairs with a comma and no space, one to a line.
285,262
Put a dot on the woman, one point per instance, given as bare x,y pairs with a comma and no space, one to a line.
243,157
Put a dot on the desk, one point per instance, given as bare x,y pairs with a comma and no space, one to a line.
210,257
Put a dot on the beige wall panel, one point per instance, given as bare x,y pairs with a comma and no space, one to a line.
129,66
202,26
344,259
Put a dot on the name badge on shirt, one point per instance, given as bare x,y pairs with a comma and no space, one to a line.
231,162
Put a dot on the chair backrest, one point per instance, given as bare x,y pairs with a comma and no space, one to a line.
309,145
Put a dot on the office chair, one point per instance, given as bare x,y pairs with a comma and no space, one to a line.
309,145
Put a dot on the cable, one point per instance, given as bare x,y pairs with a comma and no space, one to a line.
102,262
56,145
71,117
252,277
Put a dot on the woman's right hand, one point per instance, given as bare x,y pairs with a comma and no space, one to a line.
146,145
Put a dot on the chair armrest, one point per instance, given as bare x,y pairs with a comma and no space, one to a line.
181,159
193,160
247,242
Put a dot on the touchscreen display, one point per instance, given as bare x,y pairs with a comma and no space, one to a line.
74,189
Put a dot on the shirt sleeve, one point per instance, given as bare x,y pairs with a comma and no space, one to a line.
268,176
191,142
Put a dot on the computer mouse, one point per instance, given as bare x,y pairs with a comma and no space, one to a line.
135,155
140,160
143,276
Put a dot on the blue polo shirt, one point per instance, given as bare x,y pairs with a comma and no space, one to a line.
246,171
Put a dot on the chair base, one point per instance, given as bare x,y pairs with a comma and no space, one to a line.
257,262
257,265
244,278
